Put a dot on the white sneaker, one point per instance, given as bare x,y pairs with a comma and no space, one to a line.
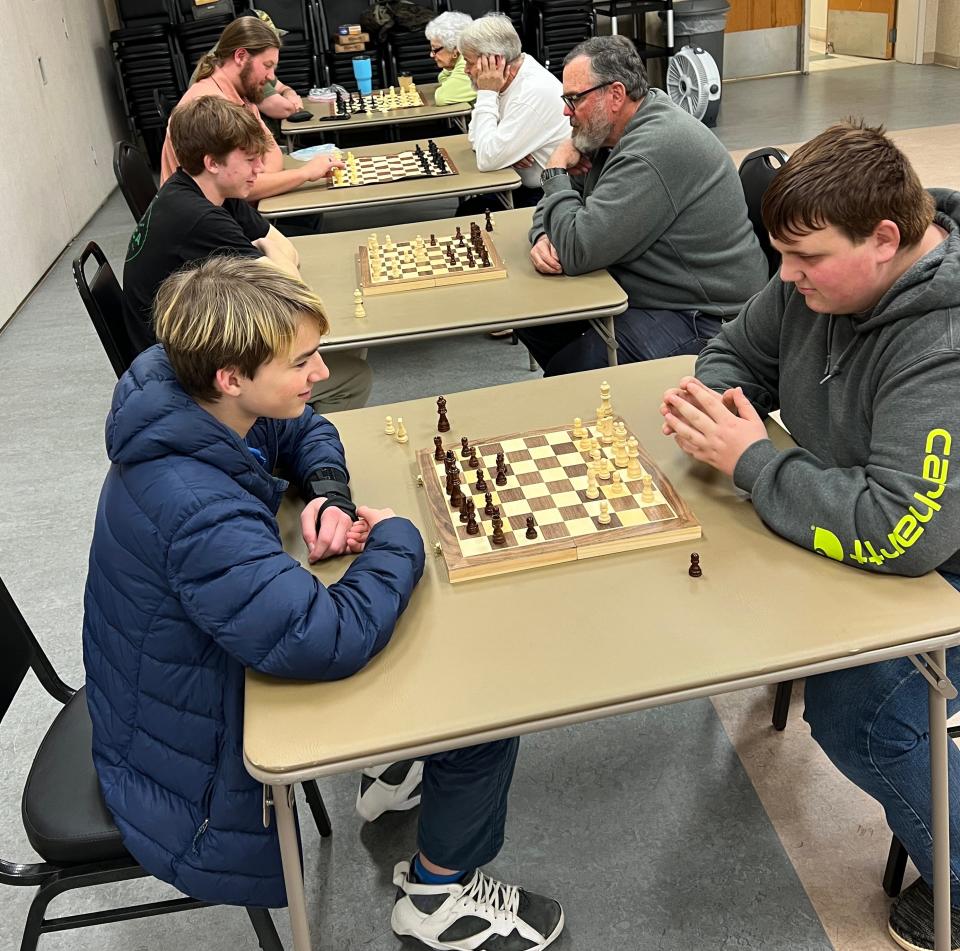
480,915
393,787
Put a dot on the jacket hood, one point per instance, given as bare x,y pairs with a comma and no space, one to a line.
151,417
933,283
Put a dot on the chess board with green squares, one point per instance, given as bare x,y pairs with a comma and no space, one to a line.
547,478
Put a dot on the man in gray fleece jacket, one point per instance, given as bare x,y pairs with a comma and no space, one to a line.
646,191
857,343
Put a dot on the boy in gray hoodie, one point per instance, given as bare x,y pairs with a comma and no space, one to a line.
857,343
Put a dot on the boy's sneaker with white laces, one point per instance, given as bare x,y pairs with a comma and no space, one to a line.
480,914
911,919
394,787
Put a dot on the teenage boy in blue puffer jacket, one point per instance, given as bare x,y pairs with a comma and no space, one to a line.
189,585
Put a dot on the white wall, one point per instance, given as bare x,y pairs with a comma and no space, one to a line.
62,117
818,20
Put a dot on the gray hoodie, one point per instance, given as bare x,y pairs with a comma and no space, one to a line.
873,402
663,210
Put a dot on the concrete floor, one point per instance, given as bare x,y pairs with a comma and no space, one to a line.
668,829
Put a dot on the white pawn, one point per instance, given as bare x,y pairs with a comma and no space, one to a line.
401,430
592,491
604,517
578,431
617,488
604,472
388,429
646,493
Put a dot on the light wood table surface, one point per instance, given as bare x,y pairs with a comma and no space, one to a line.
429,112
311,198
523,298
585,639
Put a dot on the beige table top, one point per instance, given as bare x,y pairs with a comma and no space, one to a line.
470,181
425,113
570,642
328,265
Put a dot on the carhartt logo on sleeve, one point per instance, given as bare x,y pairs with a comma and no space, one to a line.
910,527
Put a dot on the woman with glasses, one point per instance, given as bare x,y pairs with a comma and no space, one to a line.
443,34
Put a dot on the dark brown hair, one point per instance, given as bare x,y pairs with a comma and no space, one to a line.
850,176
245,33
212,125
230,312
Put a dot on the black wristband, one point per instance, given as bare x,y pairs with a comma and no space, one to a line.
343,504
331,484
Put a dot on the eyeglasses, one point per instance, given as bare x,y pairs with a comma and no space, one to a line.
572,100
436,49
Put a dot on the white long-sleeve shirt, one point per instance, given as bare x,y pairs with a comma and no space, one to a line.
525,119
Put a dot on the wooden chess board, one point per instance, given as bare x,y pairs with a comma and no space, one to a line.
435,272
380,101
400,166
547,477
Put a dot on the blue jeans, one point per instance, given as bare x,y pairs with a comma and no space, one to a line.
872,722
463,805
641,335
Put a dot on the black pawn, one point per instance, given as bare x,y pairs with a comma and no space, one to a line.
473,460
464,446
481,482
695,570
472,527
489,220
433,241
531,531
488,508
501,478
438,451
464,513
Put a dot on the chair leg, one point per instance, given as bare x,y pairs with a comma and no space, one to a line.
319,810
34,924
896,866
781,704
264,927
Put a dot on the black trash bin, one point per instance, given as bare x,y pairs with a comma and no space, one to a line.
700,23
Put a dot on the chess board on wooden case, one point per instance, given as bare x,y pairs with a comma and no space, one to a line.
547,477
395,167
380,100
435,272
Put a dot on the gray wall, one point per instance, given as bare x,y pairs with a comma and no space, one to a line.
62,116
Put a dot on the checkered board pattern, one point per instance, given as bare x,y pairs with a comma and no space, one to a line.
436,272
380,97
401,166
547,477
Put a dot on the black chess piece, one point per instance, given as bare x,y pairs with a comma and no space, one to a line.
438,451
501,478
489,220
433,240
472,527
443,424
473,461
456,494
464,446
481,481
488,508
695,570
531,531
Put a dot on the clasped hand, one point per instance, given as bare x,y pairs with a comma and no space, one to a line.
710,427
337,533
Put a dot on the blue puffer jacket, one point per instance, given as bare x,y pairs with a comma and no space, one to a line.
188,584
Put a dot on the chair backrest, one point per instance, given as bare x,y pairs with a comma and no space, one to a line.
756,172
135,178
164,107
103,299
19,651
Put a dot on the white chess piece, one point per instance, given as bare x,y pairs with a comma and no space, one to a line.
592,491
634,471
388,429
604,472
401,431
604,517
646,493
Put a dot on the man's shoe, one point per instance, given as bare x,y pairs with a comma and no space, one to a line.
394,787
911,919
481,914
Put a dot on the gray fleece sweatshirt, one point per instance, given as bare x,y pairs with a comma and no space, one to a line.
873,402
663,211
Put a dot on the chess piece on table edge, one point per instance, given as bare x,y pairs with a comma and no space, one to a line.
443,424
389,428
401,436
695,571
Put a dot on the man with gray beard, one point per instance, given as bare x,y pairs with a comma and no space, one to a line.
645,190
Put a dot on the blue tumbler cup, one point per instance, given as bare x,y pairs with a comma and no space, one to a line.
363,73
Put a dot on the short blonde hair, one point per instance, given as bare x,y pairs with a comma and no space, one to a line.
230,312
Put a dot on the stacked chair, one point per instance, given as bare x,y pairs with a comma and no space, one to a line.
338,67
557,26
197,37
299,65
408,53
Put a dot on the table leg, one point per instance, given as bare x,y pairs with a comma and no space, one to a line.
940,804
604,327
292,872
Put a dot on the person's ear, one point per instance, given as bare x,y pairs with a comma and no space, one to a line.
240,56
886,240
210,164
228,381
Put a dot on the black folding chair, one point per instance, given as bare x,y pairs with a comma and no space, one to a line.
63,812
103,299
756,172
135,178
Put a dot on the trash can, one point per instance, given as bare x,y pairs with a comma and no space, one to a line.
700,23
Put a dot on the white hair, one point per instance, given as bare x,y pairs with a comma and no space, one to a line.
492,35
447,27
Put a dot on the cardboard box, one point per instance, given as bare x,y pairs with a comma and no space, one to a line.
353,38
350,47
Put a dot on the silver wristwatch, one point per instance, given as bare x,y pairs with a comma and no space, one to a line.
549,173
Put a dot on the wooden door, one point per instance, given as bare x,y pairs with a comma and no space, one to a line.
861,27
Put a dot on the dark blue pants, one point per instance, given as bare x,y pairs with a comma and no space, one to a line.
641,335
463,805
